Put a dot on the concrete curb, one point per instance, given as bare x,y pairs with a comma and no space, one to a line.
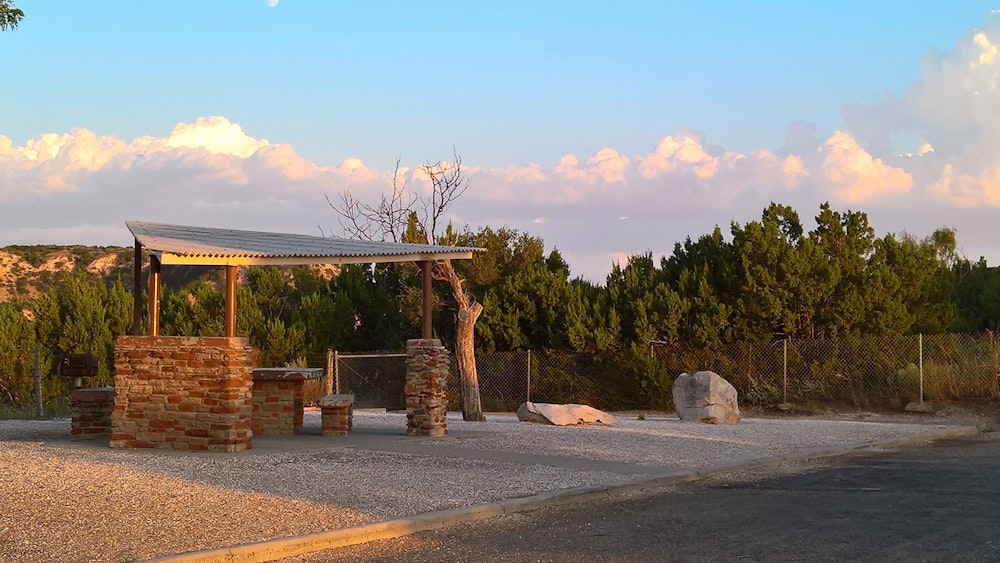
270,550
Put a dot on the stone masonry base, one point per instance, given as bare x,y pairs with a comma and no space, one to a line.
427,365
337,414
91,410
183,393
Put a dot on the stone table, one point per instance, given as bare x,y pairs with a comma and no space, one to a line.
277,399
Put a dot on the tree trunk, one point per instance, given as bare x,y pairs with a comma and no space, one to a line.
465,340
465,354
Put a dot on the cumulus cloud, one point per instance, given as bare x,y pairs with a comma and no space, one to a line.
953,107
214,134
681,151
210,171
856,176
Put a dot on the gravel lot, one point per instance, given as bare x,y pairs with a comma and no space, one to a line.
65,501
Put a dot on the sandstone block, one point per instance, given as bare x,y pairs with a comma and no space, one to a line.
705,397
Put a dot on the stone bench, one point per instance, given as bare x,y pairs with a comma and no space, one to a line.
337,413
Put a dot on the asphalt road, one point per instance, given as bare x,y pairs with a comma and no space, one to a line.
939,502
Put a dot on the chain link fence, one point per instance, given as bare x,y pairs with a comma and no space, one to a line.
863,372
376,379
507,379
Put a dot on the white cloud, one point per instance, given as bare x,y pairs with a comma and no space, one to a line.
215,134
608,166
211,172
988,51
855,176
681,151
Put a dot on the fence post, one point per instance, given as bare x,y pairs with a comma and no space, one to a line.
920,340
336,370
328,379
38,383
528,399
784,361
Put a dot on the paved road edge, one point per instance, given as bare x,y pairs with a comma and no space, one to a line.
270,550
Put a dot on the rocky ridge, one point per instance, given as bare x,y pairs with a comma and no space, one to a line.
26,271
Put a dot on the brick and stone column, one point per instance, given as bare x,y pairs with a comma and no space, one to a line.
427,364
182,393
91,410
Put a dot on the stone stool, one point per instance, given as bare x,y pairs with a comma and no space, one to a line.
91,409
337,412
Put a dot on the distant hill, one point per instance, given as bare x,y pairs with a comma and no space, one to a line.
29,270
26,271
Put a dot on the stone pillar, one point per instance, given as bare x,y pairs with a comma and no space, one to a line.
182,393
91,410
427,365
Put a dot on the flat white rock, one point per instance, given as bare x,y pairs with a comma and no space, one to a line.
563,415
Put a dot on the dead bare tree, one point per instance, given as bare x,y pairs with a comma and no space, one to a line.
390,219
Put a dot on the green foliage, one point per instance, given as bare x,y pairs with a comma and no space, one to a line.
976,296
9,15
197,311
558,377
508,251
712,304
656,382
17,345
649,308
594,326
527,310
84,317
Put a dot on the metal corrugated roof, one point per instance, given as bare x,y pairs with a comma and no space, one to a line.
181,244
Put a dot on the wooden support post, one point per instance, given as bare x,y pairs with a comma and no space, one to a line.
231,301
154,295
426,330
137,291
328,385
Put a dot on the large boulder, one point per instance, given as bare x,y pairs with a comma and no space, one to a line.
563,415
705,397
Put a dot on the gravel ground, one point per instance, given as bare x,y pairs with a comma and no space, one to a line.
64,501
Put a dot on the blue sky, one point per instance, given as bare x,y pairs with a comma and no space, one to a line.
515,87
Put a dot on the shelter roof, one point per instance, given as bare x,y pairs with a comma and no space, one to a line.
181,244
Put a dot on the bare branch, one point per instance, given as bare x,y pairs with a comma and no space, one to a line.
447,185
353,216
389,218
395,210
386,220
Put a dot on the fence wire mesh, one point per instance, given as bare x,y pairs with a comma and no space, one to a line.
863,372
376,380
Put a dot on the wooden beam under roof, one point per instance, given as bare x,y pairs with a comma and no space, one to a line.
170,259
